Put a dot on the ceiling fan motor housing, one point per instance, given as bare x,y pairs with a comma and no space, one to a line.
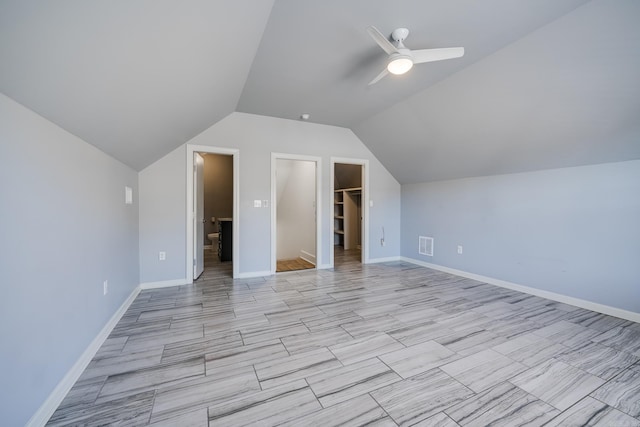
400,34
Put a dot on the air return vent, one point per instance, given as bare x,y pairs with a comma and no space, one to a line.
425,245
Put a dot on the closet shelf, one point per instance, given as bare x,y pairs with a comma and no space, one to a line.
347,203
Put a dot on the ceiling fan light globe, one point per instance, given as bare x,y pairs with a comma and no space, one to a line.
399,66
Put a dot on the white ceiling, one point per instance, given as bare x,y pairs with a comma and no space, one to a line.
543,83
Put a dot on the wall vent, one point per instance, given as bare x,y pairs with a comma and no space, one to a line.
425,245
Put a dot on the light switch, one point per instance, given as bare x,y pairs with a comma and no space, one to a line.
370,203
128,195
257,203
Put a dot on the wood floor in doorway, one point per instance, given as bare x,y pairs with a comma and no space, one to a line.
293,265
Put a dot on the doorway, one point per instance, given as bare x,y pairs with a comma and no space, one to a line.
295,229
349,211
217,218
212,206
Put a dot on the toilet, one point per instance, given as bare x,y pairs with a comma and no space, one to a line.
213,237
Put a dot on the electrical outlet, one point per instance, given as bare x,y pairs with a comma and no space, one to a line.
105,287
162,255
459,249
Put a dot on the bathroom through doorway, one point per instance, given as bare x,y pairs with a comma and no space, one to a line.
212,207
218,212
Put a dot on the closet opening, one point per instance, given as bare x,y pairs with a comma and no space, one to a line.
348,213
295,229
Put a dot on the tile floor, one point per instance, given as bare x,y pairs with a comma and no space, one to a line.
388,344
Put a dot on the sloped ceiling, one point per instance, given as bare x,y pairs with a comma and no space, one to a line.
543,83
134,78
565,95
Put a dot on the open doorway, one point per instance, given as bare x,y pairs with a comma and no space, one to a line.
294,208
349,207
212,206
217,218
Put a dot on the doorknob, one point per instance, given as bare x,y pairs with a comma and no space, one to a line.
203,221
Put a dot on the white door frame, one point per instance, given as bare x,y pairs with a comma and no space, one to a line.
198,215
318,162
365,205
236,211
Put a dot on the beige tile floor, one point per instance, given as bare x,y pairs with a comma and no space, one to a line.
387,344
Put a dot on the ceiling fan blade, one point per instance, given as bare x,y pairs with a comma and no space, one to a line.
430,55
382,41
379,77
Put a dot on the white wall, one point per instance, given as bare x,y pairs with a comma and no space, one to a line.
572,231
65,229
296,211
164,190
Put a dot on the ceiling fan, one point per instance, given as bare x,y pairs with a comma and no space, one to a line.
402,59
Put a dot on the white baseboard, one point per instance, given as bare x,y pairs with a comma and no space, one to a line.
387,259
577,302
252,274
308,257
323,266
52,402
163,284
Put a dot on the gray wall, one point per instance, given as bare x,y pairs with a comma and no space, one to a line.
573,231
65,229
164,191
218,190
162,225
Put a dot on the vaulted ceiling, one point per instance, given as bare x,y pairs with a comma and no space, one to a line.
543,83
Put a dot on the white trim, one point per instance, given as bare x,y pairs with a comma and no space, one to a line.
54,399
318,162
252,274
365,208
387,259
577,302
308,257
163,284
191,148
323,266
